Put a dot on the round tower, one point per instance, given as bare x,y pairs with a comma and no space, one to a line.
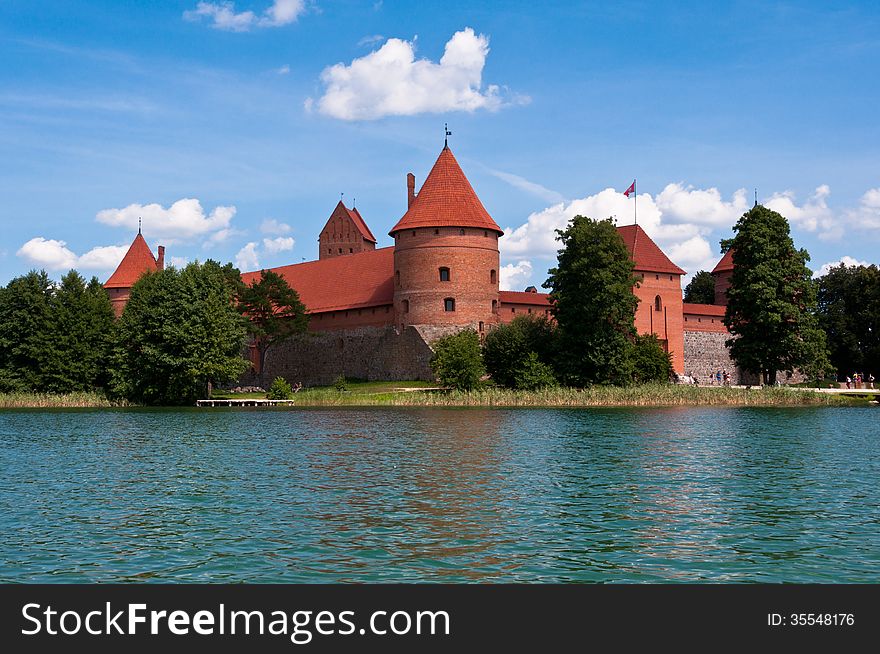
446,263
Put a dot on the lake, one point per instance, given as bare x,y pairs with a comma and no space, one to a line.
441,495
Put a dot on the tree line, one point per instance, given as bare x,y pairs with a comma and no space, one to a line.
182,331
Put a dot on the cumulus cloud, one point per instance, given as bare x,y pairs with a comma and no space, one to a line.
814,215
515,276
247,258
272,226
371,40
279,244
184,220
847,261
867,214
680,219
390,81
223,15
52,254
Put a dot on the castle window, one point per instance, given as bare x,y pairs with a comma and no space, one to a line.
485,233
340,250
512,309
494,306
444,274
530,309
670,278
397,276
406,306
656,276
436,232
493,276
461,232
658,304
481,325
414,232
449,304
329,250
351,250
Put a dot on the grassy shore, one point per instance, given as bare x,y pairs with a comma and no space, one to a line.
415,394
57,401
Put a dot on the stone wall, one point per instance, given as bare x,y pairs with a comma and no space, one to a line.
705,354
370,353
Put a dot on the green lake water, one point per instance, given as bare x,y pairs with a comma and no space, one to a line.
441,495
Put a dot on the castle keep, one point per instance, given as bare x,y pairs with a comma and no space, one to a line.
374,311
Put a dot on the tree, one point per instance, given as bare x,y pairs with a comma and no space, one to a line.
81,327
457,361
772,299
274,312
594,305
519,354
849,312
701,289
649,362
25,331
180,332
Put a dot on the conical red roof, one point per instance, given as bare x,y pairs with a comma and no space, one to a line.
726,262
645,253
137,261
446,199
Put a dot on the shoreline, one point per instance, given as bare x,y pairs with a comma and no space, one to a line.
599,396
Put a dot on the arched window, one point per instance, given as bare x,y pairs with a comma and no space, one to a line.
340,250
493,276
444,274
494,306
449,304
658,304
461,232
481,325
406,306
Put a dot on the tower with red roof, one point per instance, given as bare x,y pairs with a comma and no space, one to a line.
137,261
446,258
345,232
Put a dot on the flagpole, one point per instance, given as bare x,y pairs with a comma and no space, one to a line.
635,204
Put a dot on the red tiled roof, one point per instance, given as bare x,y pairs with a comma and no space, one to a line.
703,309
360,223
446,199
645,253
137,261
725,264
365,279
520,297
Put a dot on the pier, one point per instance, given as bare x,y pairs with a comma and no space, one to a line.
243,402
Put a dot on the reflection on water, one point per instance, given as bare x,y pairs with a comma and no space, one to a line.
457,495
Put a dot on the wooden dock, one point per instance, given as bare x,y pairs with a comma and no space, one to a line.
243,402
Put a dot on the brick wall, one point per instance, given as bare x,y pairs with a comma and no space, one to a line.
371,353
665,323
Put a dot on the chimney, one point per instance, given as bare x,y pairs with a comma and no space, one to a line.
410,189
161,261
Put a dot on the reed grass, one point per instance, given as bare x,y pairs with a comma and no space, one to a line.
58,401
648,396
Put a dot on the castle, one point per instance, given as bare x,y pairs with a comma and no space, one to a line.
375,311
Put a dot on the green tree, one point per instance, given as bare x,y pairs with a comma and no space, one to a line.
701,289
509,348
849,312
274,312
180,333
279,390
457,361
772,299
82,322
591,287
649,362
25,332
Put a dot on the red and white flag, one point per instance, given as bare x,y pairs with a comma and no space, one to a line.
631,189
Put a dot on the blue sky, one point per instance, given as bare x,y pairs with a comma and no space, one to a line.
233,128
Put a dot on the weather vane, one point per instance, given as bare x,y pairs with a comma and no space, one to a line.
139,224
448,134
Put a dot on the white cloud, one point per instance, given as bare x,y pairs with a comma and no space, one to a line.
55,255
247,258
515,277
847,261
390,81
371,40
283,70
279,244
183,220
272,226
177,262
48,253
685,204
224,17
814,215
867,214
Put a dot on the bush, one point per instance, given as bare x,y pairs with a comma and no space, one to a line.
341,384
279,390
509,346
457,360
532,374
648,361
